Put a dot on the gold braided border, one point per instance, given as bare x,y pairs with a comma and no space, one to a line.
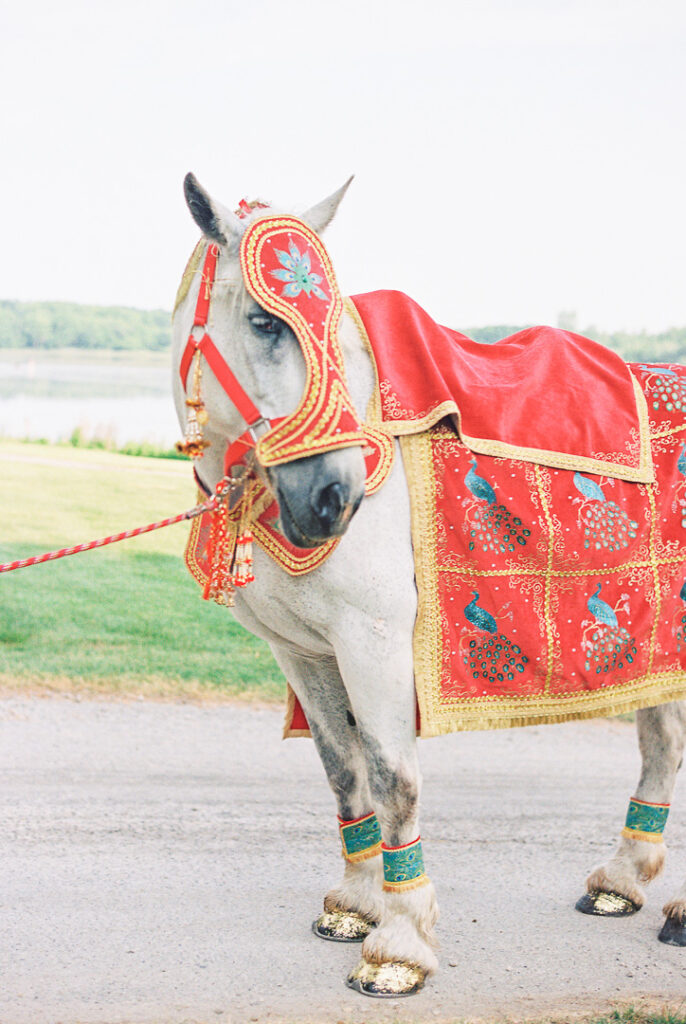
325,394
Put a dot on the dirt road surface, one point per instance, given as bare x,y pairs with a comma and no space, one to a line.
163,863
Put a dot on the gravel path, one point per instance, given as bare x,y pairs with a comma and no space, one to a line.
163,862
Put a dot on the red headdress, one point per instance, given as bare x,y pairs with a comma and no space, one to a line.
287,271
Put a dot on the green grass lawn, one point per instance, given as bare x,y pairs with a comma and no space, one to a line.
626,1015
128,618
633,1016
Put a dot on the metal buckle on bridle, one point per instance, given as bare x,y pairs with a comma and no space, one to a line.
263,425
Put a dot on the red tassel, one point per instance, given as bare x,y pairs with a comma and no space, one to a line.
229,548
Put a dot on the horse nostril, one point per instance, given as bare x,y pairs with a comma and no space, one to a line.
329,504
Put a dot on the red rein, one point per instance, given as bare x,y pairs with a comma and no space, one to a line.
51,556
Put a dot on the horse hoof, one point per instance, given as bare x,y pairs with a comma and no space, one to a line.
673,932
606,904
386,981
342,926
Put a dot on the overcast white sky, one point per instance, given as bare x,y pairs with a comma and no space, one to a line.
513,157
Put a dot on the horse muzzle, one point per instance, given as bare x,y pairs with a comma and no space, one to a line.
318,496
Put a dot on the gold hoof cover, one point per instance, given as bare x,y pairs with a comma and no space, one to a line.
386,981
606,904
342,926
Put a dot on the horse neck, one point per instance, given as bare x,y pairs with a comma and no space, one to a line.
359,370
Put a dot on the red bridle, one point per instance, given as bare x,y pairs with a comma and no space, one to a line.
257,423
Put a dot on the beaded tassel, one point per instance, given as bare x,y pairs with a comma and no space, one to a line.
194,443
220,548
242,566
229,547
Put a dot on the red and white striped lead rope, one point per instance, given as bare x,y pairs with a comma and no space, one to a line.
191,513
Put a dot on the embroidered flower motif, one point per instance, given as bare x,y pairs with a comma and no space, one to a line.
298,273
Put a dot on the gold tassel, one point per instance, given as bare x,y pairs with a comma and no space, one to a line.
194,443
242,570
229,547
220,549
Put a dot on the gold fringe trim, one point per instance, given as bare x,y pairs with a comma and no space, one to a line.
412,883
426,641
652,690
356,858
646,837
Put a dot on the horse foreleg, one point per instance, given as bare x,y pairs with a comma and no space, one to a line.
399,954
614,889
352,908
673,931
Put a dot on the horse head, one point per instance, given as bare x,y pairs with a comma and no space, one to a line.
318,493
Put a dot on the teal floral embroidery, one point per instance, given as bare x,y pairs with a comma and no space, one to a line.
403,865
646,817
361,835
297,273
605,524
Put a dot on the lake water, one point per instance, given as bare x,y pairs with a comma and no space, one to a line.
112,401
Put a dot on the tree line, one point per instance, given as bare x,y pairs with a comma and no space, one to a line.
51,325
47,325
635,347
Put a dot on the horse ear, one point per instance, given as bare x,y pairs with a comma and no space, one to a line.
320,216
213,219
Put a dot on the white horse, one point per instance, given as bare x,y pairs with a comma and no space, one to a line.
343,634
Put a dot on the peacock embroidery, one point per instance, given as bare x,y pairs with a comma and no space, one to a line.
680,489
667,389
488,653
604,523
680,621
606,644
491,525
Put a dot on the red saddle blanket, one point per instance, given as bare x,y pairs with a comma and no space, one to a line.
543,394
548,589
546,594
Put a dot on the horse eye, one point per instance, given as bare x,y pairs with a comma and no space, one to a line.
263,323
